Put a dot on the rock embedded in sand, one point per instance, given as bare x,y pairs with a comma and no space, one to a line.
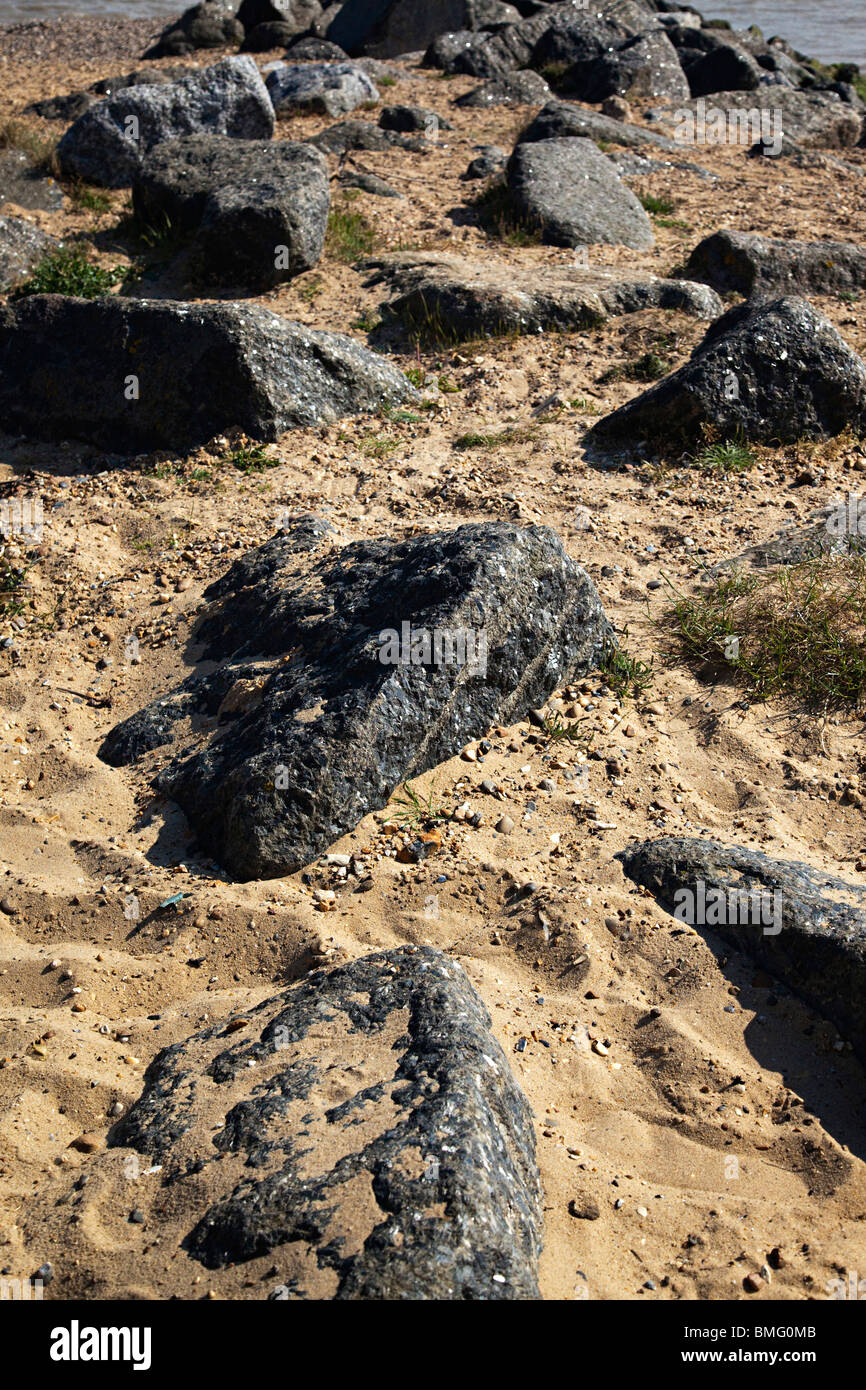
772,372
328,89
513,89
574,196
755,265
562,119
345,717
386,28
453,297
807,927
365,1131
22,183
22,246
255,211
132,375
211,24
108,143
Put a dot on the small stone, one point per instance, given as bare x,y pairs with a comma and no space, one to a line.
8,907
753,1283
583,1211
136,1217
642,1212
45,1273
505,825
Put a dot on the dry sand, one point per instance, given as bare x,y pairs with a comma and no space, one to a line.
727,1127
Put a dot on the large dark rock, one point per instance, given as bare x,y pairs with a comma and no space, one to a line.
211,24
775,371
74,104
108,143
363,1130
754,265
413,118
811,934
297,14
514,89
562,120
451,298
22,246
71,368
489,55
340,719
625,54
255,211
310,49
569,34
25,185
385,28
328,89
568,190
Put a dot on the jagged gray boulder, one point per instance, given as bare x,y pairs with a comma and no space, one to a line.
754,265
346,707
561,119
133,374
385,28
255,212
792,118
108,143
574,196
413,118
297,15
771,372
641,68
806,926
329,89
363,135
362,1129
22,246
514,89
448,298
211,24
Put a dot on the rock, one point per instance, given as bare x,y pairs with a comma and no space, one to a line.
386,28
273,792
489,55
813,120
812,935
377,1151
329,89
309,49
559,119
64,108
367,182
265,37
22,245
71,368
453,298
412,118
490,161
230,98
569,34
298,15
574,195
776,371
753,265
68,108
504,825
255,211
25,186
617,108
645,68
361,135
513,89
208,25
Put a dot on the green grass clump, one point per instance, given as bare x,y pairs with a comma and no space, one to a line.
473,440
658,207
251,458
350,235
625,674
13,590
728,457
797,632
413,813
69,270
497,216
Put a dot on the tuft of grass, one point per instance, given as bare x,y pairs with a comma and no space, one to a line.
378,446
523,434
796,632
251,458
585,405
415,813
561,731
626,675
350,236
39,149
650,366
69,270
497,216
13,590
367,322
657,207
416,376
729,457
87,198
